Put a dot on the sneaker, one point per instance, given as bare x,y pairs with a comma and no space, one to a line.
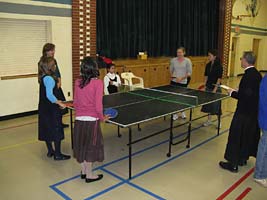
207,123
262,182
183,115
175,117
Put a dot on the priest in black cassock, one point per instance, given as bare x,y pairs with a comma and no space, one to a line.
244,131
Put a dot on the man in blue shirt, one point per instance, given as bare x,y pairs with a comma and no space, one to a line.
260,175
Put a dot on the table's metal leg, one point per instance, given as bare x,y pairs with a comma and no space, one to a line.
71,128
189,129
130,153
171,138
219,124
119,134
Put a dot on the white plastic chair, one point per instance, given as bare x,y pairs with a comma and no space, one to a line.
128,80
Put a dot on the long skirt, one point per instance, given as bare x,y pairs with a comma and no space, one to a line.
49,124
243,138
88,144
212,108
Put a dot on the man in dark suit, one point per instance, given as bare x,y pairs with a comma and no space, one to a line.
244,131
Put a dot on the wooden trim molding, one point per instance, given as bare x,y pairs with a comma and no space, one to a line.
224,37
18,76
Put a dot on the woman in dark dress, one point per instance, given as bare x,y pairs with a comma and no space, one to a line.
50,128
213,77
49,51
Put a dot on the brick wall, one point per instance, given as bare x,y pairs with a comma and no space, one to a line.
83,32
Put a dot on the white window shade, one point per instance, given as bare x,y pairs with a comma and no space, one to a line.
21,43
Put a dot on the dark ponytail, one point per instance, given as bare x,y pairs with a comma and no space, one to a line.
88,71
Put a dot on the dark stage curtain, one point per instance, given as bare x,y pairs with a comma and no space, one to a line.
125,27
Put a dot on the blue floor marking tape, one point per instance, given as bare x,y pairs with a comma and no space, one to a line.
127,181
178,155
104,191
62,194
123,181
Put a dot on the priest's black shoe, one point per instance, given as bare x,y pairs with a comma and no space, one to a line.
90,180
50,154
228,166
61,157
242,163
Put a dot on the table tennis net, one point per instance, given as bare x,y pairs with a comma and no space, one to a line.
167,96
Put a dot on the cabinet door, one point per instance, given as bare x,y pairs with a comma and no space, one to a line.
102,72
194,74
119,69
159,75
198,70
153,75
167,75
202,67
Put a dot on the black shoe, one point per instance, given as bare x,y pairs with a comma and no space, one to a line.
83,176
65,125
62,157
89,180
50,154
242,163
228,166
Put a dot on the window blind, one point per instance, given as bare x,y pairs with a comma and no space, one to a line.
21,43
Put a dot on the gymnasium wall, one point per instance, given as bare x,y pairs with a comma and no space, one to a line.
21,94
249,28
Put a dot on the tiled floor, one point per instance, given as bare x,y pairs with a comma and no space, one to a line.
189,174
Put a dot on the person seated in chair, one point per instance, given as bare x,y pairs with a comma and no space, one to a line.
111,81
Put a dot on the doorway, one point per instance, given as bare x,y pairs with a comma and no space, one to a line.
233,56
255,49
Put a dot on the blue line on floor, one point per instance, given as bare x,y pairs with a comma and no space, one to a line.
177,156
136,153
62,194
105,191
123,181
66,180
127,181
125,157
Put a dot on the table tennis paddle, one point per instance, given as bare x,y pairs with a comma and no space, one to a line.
69,105
111,112
201,87
222,86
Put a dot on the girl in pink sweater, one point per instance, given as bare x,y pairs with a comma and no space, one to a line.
88,144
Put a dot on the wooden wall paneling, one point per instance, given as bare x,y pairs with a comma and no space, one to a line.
153,75
167,74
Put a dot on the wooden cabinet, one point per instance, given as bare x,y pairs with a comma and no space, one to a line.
156,72
166,76
159,75
103,72
154,75
198,70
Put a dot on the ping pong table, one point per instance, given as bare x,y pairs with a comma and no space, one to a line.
139,106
